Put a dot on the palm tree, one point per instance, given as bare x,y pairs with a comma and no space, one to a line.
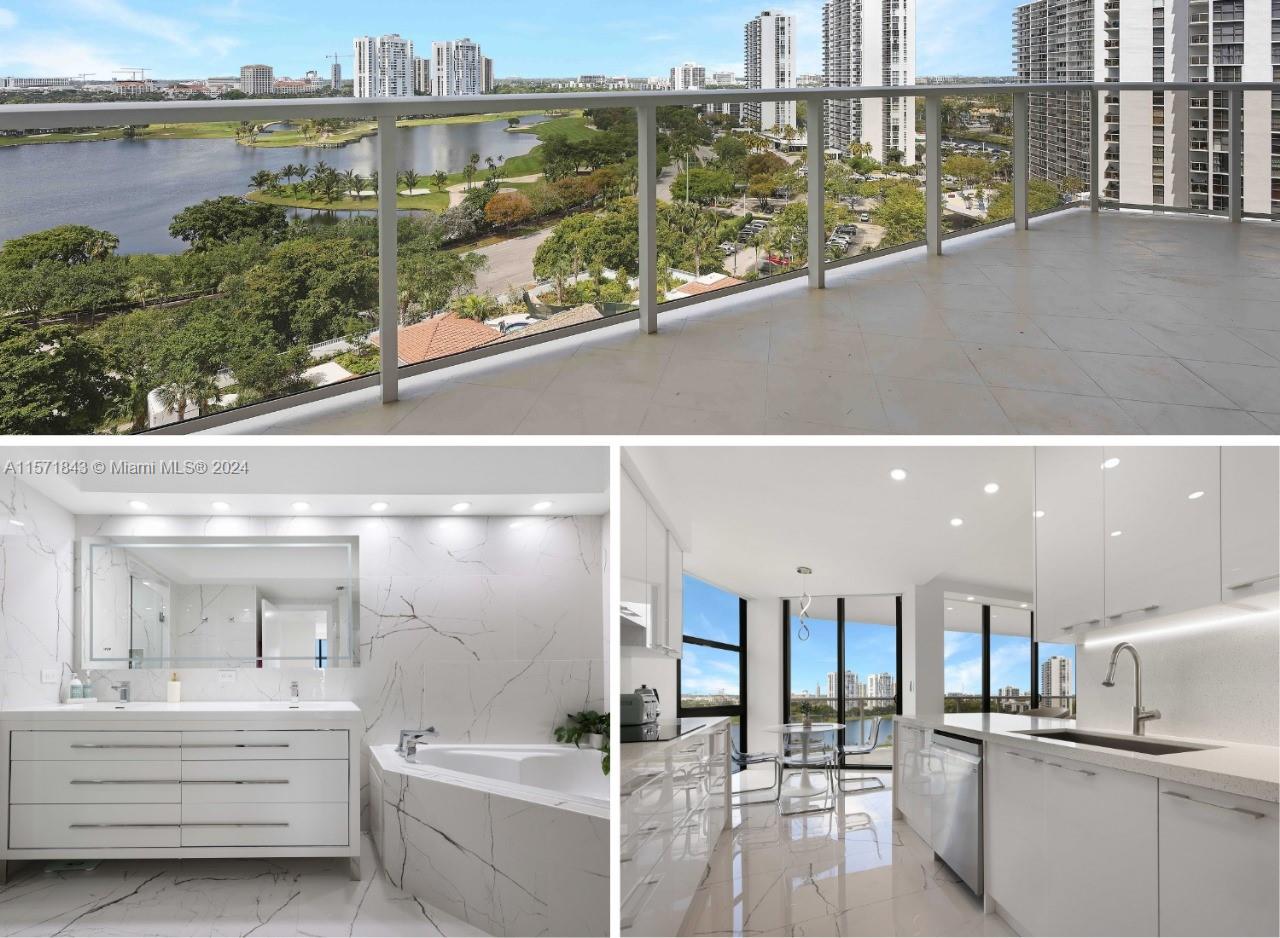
264,179
374,181
472,167
188,387
441,178
409,179
351,179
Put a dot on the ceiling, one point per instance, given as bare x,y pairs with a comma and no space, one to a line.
333,480
751,515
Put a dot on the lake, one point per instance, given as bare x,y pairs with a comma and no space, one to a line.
133,188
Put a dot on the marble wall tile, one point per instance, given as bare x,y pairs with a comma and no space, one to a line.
36,593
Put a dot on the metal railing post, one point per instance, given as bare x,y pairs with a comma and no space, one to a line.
647,196
1020,159
933,173
1095,153
388,262
817,182
1235,155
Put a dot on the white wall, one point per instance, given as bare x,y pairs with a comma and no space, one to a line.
928,645
658,673
1218,683
764,673
36,593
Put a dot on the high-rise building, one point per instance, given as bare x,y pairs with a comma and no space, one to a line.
460,68
421,76
383,67
880,685
335,76
870,42
724,78
770,59
687,76
257,79
1055,677
1157,148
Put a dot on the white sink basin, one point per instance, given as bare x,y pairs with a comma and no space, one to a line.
206,706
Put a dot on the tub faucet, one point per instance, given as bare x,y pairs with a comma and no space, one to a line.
409,740
1140,716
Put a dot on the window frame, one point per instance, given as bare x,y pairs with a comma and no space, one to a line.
739,710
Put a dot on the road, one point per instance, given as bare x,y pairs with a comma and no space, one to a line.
510,262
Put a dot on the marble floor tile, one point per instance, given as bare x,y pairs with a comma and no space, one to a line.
1252,387
917,406
933,359
1093,334
1181,418
1149,378
840,398
272,897
1031,369
1203,343
1051,412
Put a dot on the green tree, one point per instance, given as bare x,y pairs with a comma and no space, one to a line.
698,231
430,279
52,381
65,244
902,214
409,180
227,219
1041,196
264,179
311,291
703,186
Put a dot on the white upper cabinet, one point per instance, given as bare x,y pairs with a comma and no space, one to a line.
635,511
675,596
1069,541
652,571
1162,545
1250,521
656,577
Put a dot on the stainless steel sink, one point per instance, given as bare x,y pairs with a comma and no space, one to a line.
1129,743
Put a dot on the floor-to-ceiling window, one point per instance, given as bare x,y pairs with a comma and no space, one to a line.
962,656
987,656
711,674
841,665
1055,679
1010,658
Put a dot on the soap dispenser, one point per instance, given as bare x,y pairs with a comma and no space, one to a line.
175,688
75,689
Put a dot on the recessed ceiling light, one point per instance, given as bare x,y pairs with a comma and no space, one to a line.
301,506
956,522
968,599
897,475
1194,495
462,506
951,609
379,506
1111,463
1116,533
542,506
1023,605
1038,513
16,523
137,505
221,506
991,488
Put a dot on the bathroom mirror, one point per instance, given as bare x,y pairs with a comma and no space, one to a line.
218,602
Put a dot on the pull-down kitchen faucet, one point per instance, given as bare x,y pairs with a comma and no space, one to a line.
1140,716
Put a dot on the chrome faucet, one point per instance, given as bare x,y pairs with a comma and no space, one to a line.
293,689
1140,716
123,688
409,740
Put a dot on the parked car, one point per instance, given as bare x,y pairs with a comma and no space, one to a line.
864,217
727,248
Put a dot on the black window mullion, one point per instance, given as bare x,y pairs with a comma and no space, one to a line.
841,668
1035,664
786,661
742,672
986,658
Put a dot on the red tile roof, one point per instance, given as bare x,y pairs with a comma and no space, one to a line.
693,287
441,336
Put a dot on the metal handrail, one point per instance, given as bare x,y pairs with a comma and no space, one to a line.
387,111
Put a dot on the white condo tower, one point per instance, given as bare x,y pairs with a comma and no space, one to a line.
383,67
771,63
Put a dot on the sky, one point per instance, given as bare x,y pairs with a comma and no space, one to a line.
710,612
554,38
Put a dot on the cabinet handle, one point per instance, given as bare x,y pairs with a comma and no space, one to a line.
126,745
126,781
1018,755
1067,768
1075,625
1152,608
236,745
81,826
1256,815
1247,583
234,824
229,781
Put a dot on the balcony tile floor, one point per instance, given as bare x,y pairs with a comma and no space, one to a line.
1117,323
852,872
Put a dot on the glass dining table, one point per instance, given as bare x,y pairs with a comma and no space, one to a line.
809,748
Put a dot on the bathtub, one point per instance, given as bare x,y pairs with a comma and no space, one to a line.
514,839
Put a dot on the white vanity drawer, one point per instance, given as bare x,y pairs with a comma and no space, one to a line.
94,782
47,826
264,825
264,744
295,781
89,745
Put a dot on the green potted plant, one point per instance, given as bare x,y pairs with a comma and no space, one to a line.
587,727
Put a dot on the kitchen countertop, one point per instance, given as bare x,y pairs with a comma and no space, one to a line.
634,756
1239,768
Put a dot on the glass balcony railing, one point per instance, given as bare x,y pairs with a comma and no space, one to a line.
260,254
972,703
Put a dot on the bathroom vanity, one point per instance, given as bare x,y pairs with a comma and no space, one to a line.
156,780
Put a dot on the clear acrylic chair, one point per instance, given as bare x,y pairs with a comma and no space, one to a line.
745,759
880,729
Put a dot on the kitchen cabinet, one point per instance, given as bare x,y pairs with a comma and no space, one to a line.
656,577
913,778
1069,541
1072,847
1250,521
1218,860
634,511
652,575
675,596
1162,546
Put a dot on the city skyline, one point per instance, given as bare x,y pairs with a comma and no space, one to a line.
104,36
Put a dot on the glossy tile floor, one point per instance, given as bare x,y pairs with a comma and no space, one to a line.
290,897
852,872
1116,323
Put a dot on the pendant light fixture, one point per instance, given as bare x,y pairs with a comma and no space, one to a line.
802,633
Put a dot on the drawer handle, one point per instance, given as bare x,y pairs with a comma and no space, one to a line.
1152,608
1249,583
236,745
126,745
1069,769
125,781
234,824
82,826
1256,815
1076,625
1018,755
235,781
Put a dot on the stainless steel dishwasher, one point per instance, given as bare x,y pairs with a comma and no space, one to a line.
956,805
